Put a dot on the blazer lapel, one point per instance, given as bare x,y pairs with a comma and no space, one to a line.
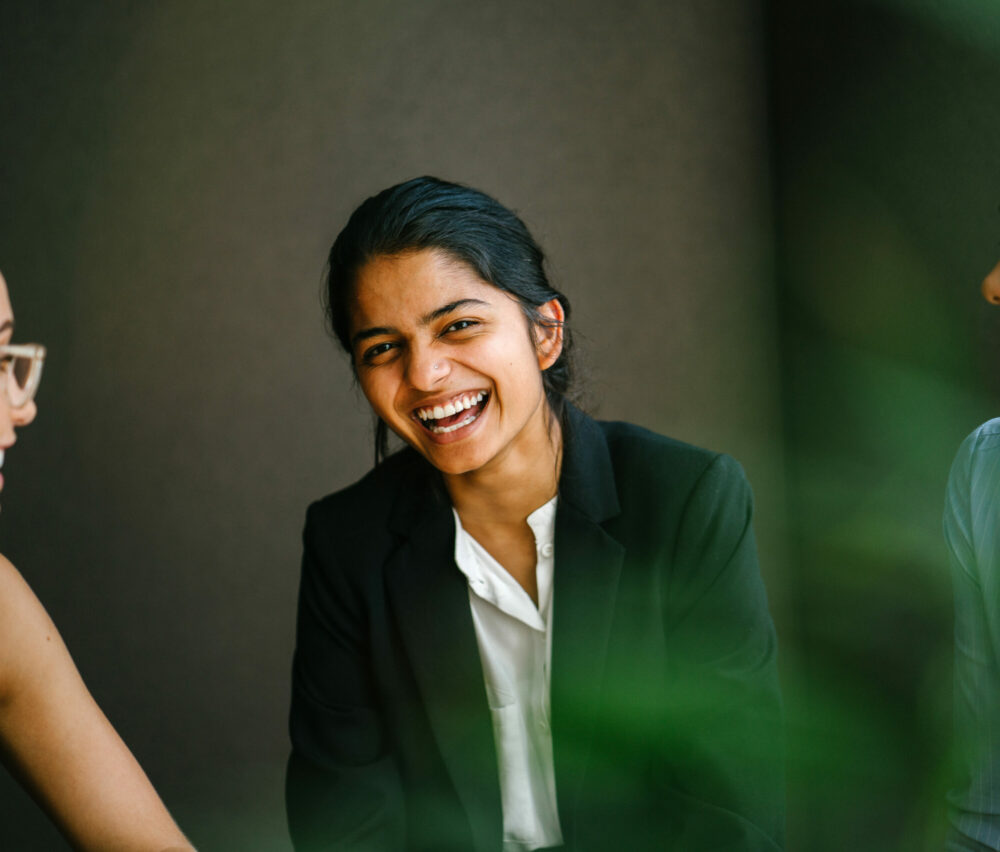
430,601
588,565
429,598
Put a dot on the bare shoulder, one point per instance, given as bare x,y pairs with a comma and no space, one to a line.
9,575
18,603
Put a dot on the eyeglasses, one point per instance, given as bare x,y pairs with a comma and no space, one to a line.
21,371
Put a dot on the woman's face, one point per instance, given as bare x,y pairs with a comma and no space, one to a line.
448,361
9,417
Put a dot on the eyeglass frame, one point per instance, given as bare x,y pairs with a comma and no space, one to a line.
33,351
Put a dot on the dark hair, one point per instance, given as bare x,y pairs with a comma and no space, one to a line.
469,226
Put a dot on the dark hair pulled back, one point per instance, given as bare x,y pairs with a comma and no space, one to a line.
469,226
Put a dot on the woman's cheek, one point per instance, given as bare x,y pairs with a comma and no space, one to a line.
370,387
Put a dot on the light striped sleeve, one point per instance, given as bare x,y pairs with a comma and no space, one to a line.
972,534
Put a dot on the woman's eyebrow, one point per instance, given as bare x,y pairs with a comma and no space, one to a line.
437,313
365,333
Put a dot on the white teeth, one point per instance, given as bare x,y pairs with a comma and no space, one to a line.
451,408
441,430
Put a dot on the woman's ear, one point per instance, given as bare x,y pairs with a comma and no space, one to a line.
549,333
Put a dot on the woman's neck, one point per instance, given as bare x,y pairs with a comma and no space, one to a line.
508,492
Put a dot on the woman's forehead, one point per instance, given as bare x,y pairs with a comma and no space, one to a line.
417,282
421,267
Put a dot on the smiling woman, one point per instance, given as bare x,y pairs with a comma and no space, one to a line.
528,629
52,733
431,336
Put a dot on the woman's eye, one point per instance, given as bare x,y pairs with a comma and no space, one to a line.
373,352
461,325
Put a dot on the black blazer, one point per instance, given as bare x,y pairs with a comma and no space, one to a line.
666,719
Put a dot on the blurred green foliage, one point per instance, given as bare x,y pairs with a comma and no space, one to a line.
885,118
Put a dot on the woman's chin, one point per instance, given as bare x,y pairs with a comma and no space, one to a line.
453,458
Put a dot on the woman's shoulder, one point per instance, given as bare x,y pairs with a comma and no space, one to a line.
368,502
629,436
13,587
7,570
356,527
640,450
656,476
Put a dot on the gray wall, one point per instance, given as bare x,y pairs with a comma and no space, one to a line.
172,176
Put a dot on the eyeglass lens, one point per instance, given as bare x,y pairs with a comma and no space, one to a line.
20,378
21,371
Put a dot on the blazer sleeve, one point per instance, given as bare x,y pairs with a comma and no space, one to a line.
342,787
725,718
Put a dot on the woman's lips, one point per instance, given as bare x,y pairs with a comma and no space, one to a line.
457,413
446,410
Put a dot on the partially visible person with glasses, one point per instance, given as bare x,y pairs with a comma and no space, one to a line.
972,533
53,736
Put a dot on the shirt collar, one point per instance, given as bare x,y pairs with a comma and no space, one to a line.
489,580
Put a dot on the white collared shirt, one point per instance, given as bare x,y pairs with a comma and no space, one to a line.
515,648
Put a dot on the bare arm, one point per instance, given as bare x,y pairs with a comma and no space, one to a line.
56,739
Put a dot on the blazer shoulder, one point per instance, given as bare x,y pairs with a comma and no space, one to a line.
363,507
639,454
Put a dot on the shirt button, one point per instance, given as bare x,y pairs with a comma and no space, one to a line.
547,550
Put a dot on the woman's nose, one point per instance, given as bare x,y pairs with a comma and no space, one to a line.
11,417
24,415
425,368
991,286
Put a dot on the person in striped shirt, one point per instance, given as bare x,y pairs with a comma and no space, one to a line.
972,533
